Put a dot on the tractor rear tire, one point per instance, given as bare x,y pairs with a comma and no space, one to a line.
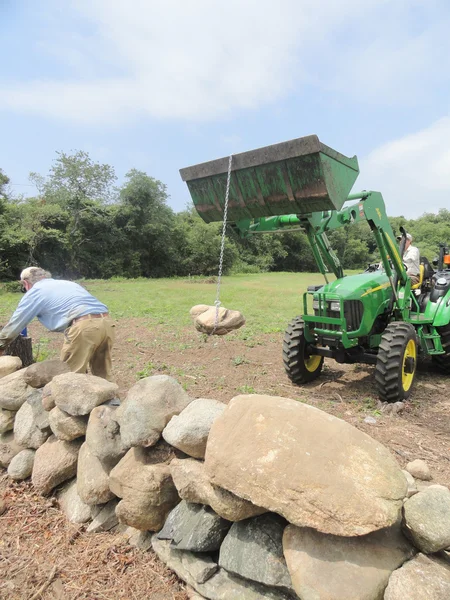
442,361
299,364
397,362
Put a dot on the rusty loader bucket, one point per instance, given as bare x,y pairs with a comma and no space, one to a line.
295,177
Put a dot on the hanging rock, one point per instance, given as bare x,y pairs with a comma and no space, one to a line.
427,519
193,485
190,429
105,519
92,478
72,505
148,407
8,448
21,465
253,549
67,427
103,435
13,390
78,394
55,462
9,364
205,319
419,470
311,467
7,420
328,567
26,432
422,578
39,374
142,479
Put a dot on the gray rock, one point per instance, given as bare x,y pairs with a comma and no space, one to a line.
92,478
72,505
142,540
422,578
103,435
325,567
40,416
67,427
311,467
419,469
142,479
21,465
412,488
9,364
106,518
55,462
195,527
221,586
13,390
201,568
253,549
7,420
193,485
26,431
48,401
8,448
427,519
148,407
77,393
189,430
39,374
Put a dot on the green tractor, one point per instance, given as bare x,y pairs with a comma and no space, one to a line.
377,317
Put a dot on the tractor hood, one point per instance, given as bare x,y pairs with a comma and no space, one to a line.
356,287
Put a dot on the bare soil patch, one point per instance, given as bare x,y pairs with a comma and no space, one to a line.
34,536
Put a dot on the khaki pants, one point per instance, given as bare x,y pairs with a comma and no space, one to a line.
88,343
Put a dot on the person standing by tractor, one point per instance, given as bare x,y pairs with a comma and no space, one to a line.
411,260
65,306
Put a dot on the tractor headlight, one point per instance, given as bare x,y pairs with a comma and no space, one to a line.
335,306
315,304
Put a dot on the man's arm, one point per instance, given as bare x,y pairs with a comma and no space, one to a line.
28,308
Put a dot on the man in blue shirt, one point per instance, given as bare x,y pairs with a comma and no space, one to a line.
67,307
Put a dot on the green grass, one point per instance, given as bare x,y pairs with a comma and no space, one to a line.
267,300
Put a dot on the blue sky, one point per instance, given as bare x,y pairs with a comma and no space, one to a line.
162,85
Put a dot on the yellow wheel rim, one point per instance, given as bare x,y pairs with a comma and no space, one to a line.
410,352
312,362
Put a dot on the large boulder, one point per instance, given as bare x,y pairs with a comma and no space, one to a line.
142,479
103,435
148,407
9,364
195,528
311,467
55,462
189,430
427,519
92,478
254,549
205,319
26,431
193,485
21,465
39,374
13,390
8,448
72,505
422,578
7,420
67,427
78,393
328,567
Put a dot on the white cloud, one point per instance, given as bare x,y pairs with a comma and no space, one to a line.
413,172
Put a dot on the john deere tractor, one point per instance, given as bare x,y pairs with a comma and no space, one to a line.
377,317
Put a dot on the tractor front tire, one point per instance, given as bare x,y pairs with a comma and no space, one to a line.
301,366
442,361
397,362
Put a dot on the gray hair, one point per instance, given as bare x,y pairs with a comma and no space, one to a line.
34,274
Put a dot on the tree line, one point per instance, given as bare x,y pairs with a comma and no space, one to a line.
82,225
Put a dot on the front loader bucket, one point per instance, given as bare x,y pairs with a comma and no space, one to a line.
295,177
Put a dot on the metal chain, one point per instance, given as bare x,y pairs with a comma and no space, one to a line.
222,244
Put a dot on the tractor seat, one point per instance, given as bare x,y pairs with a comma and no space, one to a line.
416,286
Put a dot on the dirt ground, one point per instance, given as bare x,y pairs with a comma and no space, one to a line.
38,548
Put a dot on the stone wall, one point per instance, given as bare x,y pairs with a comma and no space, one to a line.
264,497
